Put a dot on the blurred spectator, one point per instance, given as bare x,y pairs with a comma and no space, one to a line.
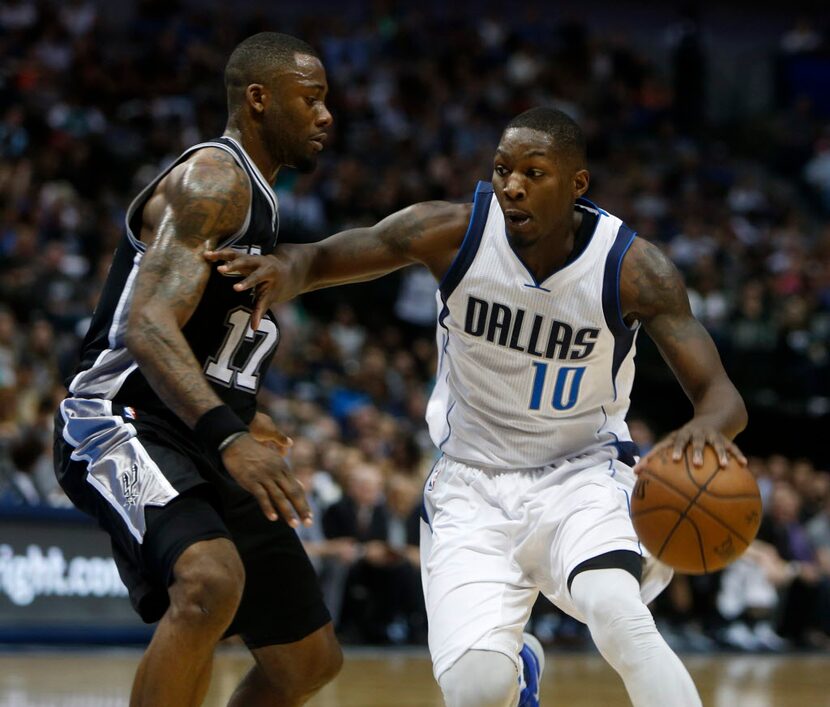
748,598
403,500
817,171
331,557
805,594
382,597
415,305
801,38
818,529
17,483
641,434
360,517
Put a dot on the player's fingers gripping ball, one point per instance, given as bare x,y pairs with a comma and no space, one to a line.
697,519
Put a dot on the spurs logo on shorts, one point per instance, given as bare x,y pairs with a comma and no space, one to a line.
129,485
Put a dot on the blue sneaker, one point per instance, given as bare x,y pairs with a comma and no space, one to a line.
533,660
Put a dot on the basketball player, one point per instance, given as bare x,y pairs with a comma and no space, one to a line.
160,439
541,297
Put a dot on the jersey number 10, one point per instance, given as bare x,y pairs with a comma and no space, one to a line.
565,386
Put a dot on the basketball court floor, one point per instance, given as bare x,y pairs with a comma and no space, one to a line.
395,678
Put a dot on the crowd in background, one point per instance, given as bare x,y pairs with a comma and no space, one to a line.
90,113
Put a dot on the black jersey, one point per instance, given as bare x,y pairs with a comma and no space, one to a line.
233,356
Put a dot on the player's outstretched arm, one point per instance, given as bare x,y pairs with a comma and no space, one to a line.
197,205
429,233
652,292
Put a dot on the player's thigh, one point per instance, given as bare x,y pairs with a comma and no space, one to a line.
145,493
476,596
596,523
282,602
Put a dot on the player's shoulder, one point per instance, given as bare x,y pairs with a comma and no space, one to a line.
206,181
209,173
211,168
646,259
650,283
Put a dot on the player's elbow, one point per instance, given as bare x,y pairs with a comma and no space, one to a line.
134,339
140,337
739,416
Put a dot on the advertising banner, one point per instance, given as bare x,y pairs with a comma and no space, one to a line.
58,581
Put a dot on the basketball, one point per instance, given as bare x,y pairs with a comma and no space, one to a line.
696,519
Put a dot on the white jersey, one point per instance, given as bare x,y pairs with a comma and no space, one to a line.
532,373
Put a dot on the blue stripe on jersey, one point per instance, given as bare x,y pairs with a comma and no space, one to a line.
611,307
582,201
472,239
626,451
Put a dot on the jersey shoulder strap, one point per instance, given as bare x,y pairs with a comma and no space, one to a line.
472,240
143,197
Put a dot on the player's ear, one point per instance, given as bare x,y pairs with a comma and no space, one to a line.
255,95
581,181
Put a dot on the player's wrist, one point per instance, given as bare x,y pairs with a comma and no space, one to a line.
219,428
229,440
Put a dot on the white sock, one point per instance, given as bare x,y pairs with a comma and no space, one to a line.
623,629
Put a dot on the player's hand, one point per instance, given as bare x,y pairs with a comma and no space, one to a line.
262,472
262,273
264,430
696,434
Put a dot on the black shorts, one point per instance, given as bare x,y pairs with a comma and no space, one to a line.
156,492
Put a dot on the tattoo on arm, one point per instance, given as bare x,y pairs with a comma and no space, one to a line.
653,291
401,235
205,202
428,233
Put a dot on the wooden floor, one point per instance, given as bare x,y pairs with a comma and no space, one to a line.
404,679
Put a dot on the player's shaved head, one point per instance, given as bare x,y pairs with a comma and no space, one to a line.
567,136
258,57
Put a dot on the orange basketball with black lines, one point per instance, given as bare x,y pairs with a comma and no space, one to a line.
697,519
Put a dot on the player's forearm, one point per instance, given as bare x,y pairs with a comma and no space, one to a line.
167,362
357,255
722,407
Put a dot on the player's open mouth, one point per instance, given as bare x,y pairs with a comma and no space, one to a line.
516,218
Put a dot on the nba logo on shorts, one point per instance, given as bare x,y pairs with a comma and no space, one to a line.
129,412
432,479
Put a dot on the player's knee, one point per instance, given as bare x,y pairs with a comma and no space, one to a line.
325,668
208,584
293,681
628,634
603,595
619,621
481,679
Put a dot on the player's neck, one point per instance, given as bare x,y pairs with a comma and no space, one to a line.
550,252
253,145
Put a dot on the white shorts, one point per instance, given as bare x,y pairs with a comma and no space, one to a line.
496,538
